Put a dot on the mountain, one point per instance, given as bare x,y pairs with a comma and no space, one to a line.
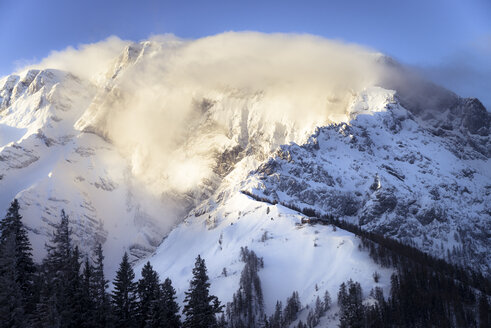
421,181
166,156
387,171
50,166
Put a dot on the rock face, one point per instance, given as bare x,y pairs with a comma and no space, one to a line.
388,172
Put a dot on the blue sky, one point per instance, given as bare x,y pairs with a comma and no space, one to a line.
450,40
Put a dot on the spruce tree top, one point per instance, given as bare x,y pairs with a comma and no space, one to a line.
12,221
11,227
200,308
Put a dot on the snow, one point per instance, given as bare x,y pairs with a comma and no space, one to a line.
10,134
371,100
291,261
384,145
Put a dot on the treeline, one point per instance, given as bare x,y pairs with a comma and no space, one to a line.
418,298
425,291
70,290
393,251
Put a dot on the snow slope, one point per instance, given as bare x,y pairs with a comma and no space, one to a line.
297,257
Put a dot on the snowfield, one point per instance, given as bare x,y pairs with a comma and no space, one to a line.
299,257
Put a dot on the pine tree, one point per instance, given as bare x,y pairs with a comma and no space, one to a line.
312,320
46,313
319,307
124,295
222,323
301,324
24,265
343,308
292,307
171,314
12,312
200,308
148,289
164,312
247,305
60,248
276,320
99,284
72,310
350,305
87,297
327,301
60,291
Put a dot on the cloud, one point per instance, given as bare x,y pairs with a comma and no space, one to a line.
88,61
178,104
467,71
183,112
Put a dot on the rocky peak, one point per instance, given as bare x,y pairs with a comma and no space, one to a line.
387,172
129,56
475,117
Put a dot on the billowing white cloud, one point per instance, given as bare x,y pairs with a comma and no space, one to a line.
88,61
173,106
182,102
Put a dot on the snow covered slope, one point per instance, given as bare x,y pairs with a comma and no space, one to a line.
297,257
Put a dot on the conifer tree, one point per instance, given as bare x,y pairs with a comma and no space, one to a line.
87,296
99,284
58,302
164,312
12,311
247,306
171,313
60,248
483,311
200,307
301,324
222,323
12,225
327,301
319,307
350,305
72,310
312,319
276,319
124,295
148,293
291,308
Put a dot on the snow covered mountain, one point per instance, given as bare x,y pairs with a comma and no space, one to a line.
50,166
152,160
391,172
